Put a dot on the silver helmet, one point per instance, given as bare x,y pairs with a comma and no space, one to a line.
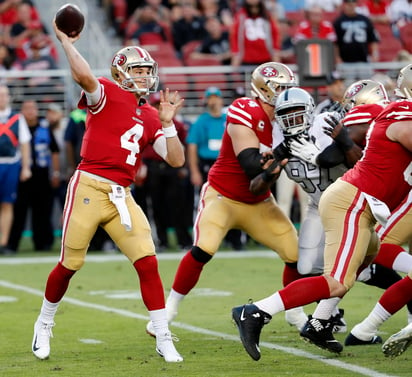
294,122
404,82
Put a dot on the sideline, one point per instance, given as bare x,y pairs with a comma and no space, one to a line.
293,351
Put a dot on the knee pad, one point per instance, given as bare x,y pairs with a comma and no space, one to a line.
200,255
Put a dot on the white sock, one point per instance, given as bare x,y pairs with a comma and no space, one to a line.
403,262
159,320
326,307
48,311
172,304
271,305
369,326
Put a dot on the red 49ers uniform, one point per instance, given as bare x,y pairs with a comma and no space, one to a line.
117,130
381,177
226,201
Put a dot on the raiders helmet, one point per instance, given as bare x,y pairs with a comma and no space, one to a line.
130,57
269,79
404,82
298,121
364,92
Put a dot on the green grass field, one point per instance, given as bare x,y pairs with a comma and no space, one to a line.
100,327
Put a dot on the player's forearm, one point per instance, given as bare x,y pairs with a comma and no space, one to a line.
175,152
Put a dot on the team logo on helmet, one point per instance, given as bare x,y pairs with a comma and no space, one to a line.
269,72
119,59
355,90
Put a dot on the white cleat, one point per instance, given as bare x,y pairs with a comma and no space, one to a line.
166,348
41,339
398,343
150,329
296,317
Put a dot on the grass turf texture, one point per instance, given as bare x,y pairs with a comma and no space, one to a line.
94,341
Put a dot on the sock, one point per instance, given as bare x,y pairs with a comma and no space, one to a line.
326,308
158,318
368,328
300,292
151,285
48,311
188,274
397,295
172,304
304,291
57,283
290,273
394,257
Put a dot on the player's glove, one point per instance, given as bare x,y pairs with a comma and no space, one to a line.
333,125
338,132
305,150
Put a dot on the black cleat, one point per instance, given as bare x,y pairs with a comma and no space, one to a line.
352,340
249,321
319,332
338,322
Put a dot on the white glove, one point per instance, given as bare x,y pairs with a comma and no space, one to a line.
305,150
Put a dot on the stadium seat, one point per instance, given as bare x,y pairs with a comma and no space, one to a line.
188,48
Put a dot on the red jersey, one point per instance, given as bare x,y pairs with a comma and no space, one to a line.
254,39
362,114
385,169
325,31
226,175
118,128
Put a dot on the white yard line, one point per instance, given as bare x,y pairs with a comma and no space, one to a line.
293,351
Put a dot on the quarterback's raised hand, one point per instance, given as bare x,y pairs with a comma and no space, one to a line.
170,103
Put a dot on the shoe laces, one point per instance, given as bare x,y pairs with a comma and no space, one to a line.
44,333
169,336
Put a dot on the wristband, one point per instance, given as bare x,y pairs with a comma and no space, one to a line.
169,131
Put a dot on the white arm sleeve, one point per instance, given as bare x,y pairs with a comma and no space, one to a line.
160,147
24,132
95,97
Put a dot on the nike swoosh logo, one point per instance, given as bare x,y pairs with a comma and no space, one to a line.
34,345
241,105
242,317
404,107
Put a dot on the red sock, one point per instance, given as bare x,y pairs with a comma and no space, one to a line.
57,283
387,254
290,273
151,285
397,295
188,274
304,291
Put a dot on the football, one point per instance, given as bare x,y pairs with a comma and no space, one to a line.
70,20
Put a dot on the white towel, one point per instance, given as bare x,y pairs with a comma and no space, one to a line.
118,197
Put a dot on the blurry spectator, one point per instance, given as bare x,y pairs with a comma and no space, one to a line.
335,90
189,27
275,9
7,62
314,26
400,13
326,5
168,192
216,8
216,42
8,13
36,194
287,47
254,37
14,163
204,141
146,21
377,11
357,39
55,119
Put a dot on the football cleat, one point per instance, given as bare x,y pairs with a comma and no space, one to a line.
150,329
398,343
319,332
338,322
249,320
296,317
166,348
41,339
352,340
